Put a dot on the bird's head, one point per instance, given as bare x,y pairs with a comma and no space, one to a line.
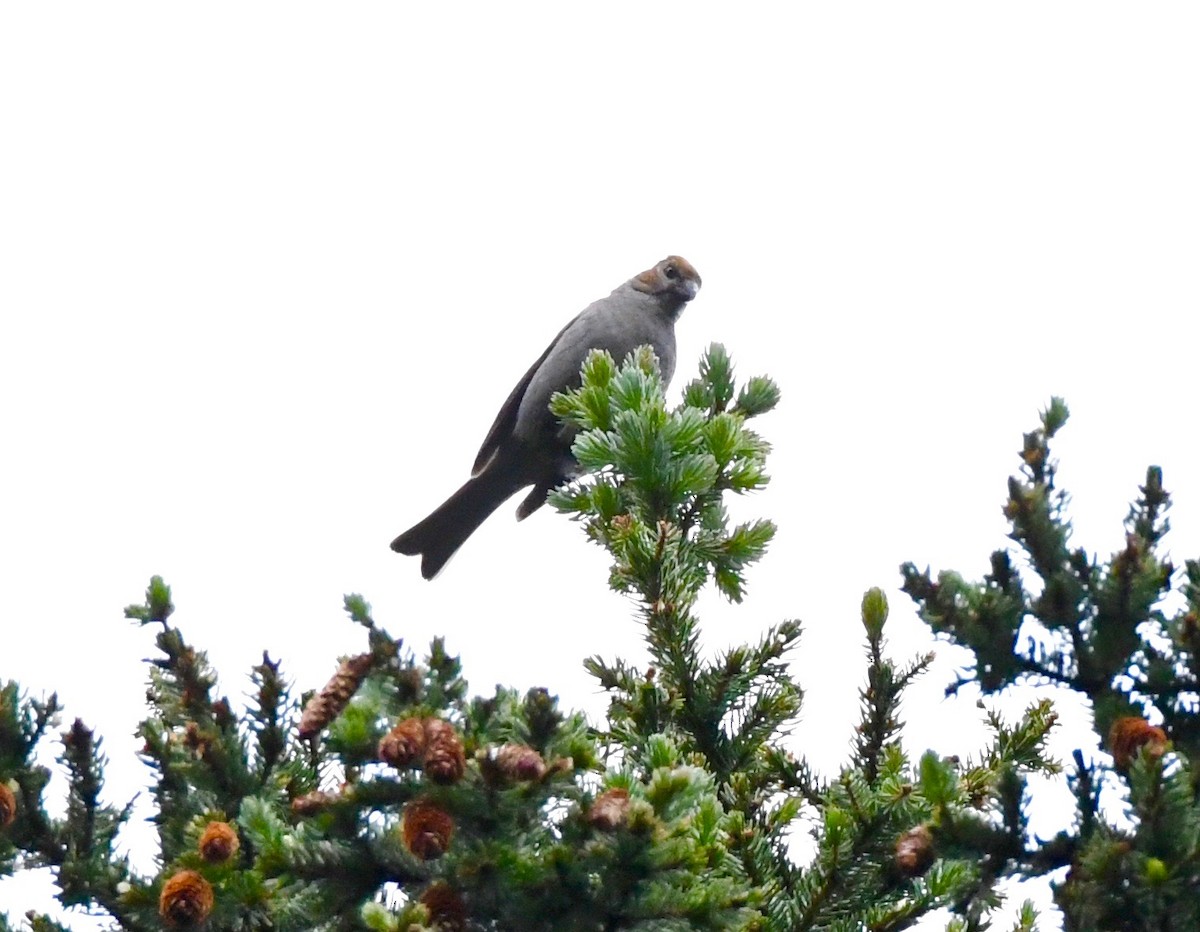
673,278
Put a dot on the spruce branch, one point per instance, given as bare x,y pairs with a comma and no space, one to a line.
272,717
1100,628
90,829
1087,628
880,698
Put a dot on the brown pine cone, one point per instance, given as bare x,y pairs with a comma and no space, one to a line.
447,911
609,809
186,899
427,829
314,802
404,745
1129,734
520,763
444,760
8,805
218,843
914,851
326,705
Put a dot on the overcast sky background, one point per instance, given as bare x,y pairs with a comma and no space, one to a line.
267,272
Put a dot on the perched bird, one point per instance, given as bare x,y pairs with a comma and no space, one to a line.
526,445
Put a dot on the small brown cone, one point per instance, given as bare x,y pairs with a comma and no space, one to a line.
218,843
222,714
186,900
609,809
314,802
444,760
520,763
1129,734
427,829
1187,634
197,740
447,911
8,806
326,705
403,746
914,851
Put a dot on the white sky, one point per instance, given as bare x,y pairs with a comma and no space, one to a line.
267,272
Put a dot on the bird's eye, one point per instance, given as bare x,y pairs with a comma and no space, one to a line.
670,272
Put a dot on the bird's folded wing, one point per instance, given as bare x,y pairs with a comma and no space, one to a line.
506,419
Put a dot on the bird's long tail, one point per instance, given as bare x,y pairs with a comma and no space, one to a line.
457,518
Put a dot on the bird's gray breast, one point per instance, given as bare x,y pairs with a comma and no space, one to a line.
619,324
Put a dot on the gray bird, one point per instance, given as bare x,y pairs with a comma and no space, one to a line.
526,445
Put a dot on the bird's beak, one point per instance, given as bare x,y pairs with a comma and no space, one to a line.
690,288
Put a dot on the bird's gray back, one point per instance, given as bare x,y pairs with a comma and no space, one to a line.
619,323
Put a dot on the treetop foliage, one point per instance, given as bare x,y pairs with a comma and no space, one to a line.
392,798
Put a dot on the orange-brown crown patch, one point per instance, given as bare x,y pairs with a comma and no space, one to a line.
647,281
685,268
654,280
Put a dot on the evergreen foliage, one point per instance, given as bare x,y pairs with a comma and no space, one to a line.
394,799
1050,613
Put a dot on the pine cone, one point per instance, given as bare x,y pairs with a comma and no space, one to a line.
197,740
326,705
222,714
444,760
186,899
8,805
312,803
609,809
914,851
403,746
218,843
1188,632
446,908
409,683
520,763
427,829
1129,734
